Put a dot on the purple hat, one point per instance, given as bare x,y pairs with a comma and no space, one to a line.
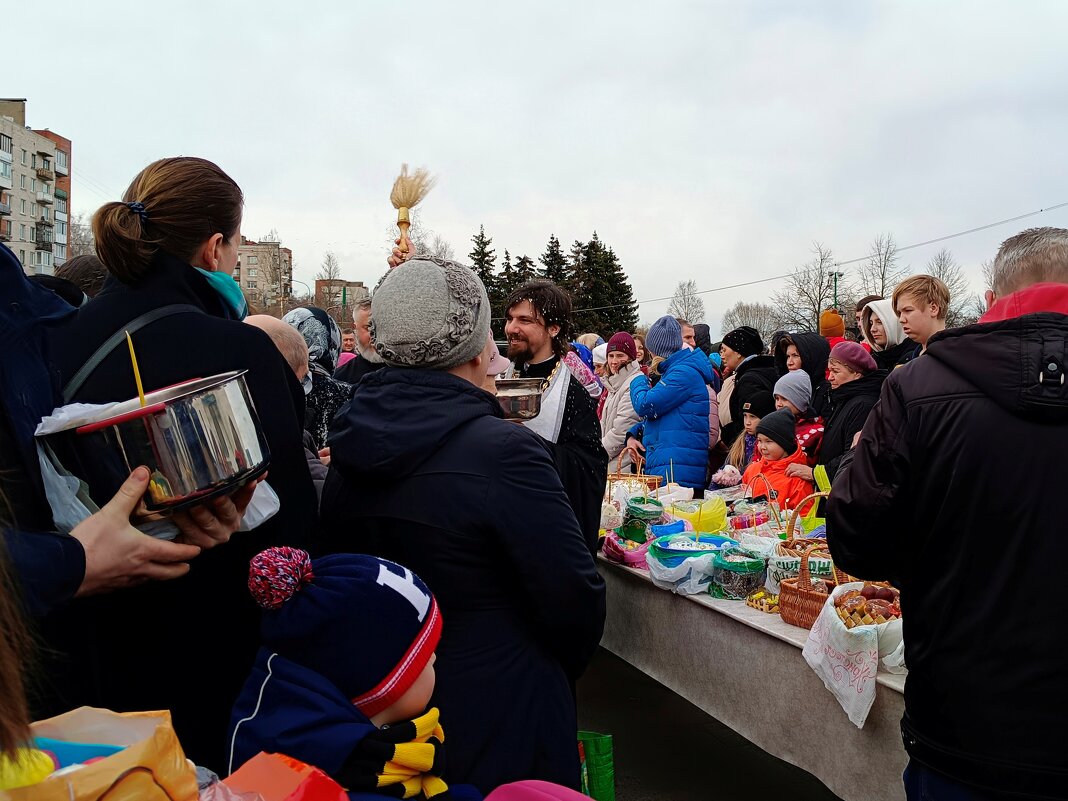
623,342
854,357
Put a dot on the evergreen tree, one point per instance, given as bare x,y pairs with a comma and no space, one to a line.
483,262
507,280
525,270
623,316
554,262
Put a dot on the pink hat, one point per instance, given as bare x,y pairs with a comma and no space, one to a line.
497,364
345,358
854,357
623,342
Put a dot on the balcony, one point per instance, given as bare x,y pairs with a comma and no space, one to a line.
5,156
45,246
5,210
61,216
5,231
46,174
45,223
62,168
6,182
45,198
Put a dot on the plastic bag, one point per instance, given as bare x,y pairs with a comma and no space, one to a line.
611,517
151,766
67,496
597,759
848,659
263,506
735,573
687,572
781,567
709,515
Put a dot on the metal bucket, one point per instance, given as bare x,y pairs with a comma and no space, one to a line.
520,398
199,439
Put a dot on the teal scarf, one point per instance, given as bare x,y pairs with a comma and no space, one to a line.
228,290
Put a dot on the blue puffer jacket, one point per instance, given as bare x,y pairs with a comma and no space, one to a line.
675,418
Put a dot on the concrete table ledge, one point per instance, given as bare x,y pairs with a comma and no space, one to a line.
744,668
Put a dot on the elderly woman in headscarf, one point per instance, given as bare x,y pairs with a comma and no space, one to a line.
325,394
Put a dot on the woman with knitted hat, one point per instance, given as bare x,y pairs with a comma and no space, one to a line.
855,385
618,415
742,352
677,412
425,472
345,692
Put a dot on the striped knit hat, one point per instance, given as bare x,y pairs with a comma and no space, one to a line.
368,625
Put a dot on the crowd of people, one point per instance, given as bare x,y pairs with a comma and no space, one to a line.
430,569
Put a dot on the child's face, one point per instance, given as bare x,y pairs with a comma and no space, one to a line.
769,449
750,421
414,702
782,403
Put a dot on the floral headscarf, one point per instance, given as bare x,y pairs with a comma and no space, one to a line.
320,332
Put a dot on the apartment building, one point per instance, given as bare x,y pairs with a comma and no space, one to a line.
264,271
34,190
339,295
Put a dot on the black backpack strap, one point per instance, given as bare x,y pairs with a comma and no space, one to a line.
117,339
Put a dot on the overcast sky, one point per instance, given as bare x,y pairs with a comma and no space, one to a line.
702,140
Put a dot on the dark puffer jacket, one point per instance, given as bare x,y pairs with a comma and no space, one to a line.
952,494
850,405
753,375
426,473
814,351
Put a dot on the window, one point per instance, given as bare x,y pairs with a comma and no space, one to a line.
33,210
33,184
61,159
61,205
23,158
252,272
5,143
22,231
22,181
22,256
61,230
251,284
60,253
44,213
22,205
5,170
33,234
33,160
253,260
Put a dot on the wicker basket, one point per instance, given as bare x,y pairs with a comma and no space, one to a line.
799,602
636,480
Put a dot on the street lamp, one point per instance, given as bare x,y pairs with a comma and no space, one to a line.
836,276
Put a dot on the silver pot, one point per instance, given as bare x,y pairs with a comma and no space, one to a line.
200,439
520,398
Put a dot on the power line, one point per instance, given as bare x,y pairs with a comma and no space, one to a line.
847,261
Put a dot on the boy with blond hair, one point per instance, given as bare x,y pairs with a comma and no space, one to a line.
921,304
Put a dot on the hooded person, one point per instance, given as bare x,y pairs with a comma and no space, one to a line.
809,352
325,394
414,458
742,353
677,412
883,331
346,693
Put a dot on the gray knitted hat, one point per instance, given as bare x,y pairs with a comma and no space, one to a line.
796,387
429,313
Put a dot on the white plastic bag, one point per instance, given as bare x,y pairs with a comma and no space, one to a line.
66,496
691,577
781,567
848,659
263,506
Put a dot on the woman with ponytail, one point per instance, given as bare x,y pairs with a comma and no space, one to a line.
170,247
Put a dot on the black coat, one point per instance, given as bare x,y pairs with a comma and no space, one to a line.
425,472
814,351
354,369
184,645
952,493
752,376
901,353
850,405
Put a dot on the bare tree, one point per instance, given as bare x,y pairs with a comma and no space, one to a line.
808,291
440,249
81,236
881,272
330,274
271,236
988,274
423,239
686,303
961,301
761,316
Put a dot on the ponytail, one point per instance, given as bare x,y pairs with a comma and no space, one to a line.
173,205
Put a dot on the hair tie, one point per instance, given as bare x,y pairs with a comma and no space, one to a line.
139,208
277,574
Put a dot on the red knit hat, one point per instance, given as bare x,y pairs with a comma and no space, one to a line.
623,342
368,625
854,357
